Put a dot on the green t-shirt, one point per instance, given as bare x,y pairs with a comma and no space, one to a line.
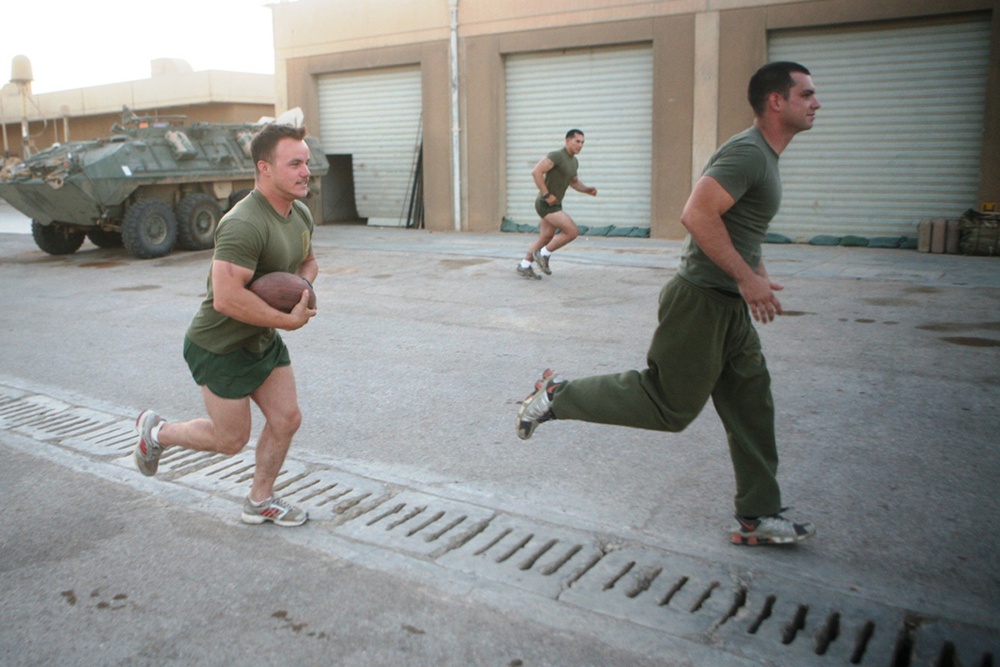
254,236
559,177
747,167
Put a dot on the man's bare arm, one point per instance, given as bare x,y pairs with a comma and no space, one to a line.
543,167
702,217
578,185
231,297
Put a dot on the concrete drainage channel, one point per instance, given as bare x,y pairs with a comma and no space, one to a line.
747,615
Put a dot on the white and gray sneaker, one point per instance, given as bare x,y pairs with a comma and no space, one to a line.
537,406
275,509
147,450
770,529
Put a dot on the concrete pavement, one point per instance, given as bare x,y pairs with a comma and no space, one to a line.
886,386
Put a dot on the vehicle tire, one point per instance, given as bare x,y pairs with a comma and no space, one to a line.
57,238
198,215
104,238
149,228
238,195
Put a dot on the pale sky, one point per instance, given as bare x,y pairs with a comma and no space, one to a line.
79,43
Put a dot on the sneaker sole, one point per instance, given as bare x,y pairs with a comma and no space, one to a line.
256,520
144,468
755,541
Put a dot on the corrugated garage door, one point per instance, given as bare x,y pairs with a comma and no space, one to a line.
607,93
374,116
899,136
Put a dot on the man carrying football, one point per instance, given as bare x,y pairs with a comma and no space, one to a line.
232,345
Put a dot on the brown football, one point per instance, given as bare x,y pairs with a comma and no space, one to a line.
282,290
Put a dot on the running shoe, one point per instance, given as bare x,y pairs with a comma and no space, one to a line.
537,406
528,272
275,509
543,261
147,450
771,529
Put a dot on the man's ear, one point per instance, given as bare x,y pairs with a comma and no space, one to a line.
775,101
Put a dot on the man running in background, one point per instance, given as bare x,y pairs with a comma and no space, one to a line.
553,174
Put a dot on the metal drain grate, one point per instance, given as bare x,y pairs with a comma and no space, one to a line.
758,617
328,495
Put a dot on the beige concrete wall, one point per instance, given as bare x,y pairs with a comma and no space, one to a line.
164,90
207,96
704,53
432,58
484,122
674,113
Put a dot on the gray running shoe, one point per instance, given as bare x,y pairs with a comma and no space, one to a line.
537,407
275,509
147,450
771,529
543,261
528,273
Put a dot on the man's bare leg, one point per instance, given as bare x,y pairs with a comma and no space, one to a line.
558,220
548,241
278,401
226,430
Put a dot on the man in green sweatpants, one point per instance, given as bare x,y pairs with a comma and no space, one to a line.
705,345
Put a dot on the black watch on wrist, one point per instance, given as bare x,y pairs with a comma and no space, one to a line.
546,195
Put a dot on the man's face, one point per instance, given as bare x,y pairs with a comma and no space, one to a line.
290,170
574,144
799,110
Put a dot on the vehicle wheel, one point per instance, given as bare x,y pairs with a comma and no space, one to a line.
149,228
238,195
198,215
103,238
56,238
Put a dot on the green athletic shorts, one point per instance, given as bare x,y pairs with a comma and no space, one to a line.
543,208
237,374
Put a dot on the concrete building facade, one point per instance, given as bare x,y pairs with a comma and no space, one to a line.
173,89
909,129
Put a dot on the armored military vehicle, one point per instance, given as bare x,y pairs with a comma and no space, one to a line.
153,184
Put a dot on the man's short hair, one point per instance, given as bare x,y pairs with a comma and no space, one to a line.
773,77
264,142
573,133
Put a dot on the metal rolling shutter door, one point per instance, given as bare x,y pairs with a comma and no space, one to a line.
375,116
607,93
899,136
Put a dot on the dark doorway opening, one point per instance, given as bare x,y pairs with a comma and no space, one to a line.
339,204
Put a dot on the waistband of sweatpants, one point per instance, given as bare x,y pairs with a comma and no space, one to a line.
724,297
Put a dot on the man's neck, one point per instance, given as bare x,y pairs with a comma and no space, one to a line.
281,206
776,135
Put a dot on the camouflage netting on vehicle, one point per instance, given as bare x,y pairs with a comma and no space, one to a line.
980,233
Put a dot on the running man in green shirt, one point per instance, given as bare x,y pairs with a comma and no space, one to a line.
232,345
553,174
705,345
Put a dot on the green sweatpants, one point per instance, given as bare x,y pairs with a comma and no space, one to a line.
705,345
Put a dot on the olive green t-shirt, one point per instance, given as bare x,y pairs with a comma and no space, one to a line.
747,167
559,177
254,236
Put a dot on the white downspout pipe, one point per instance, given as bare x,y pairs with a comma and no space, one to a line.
456,148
